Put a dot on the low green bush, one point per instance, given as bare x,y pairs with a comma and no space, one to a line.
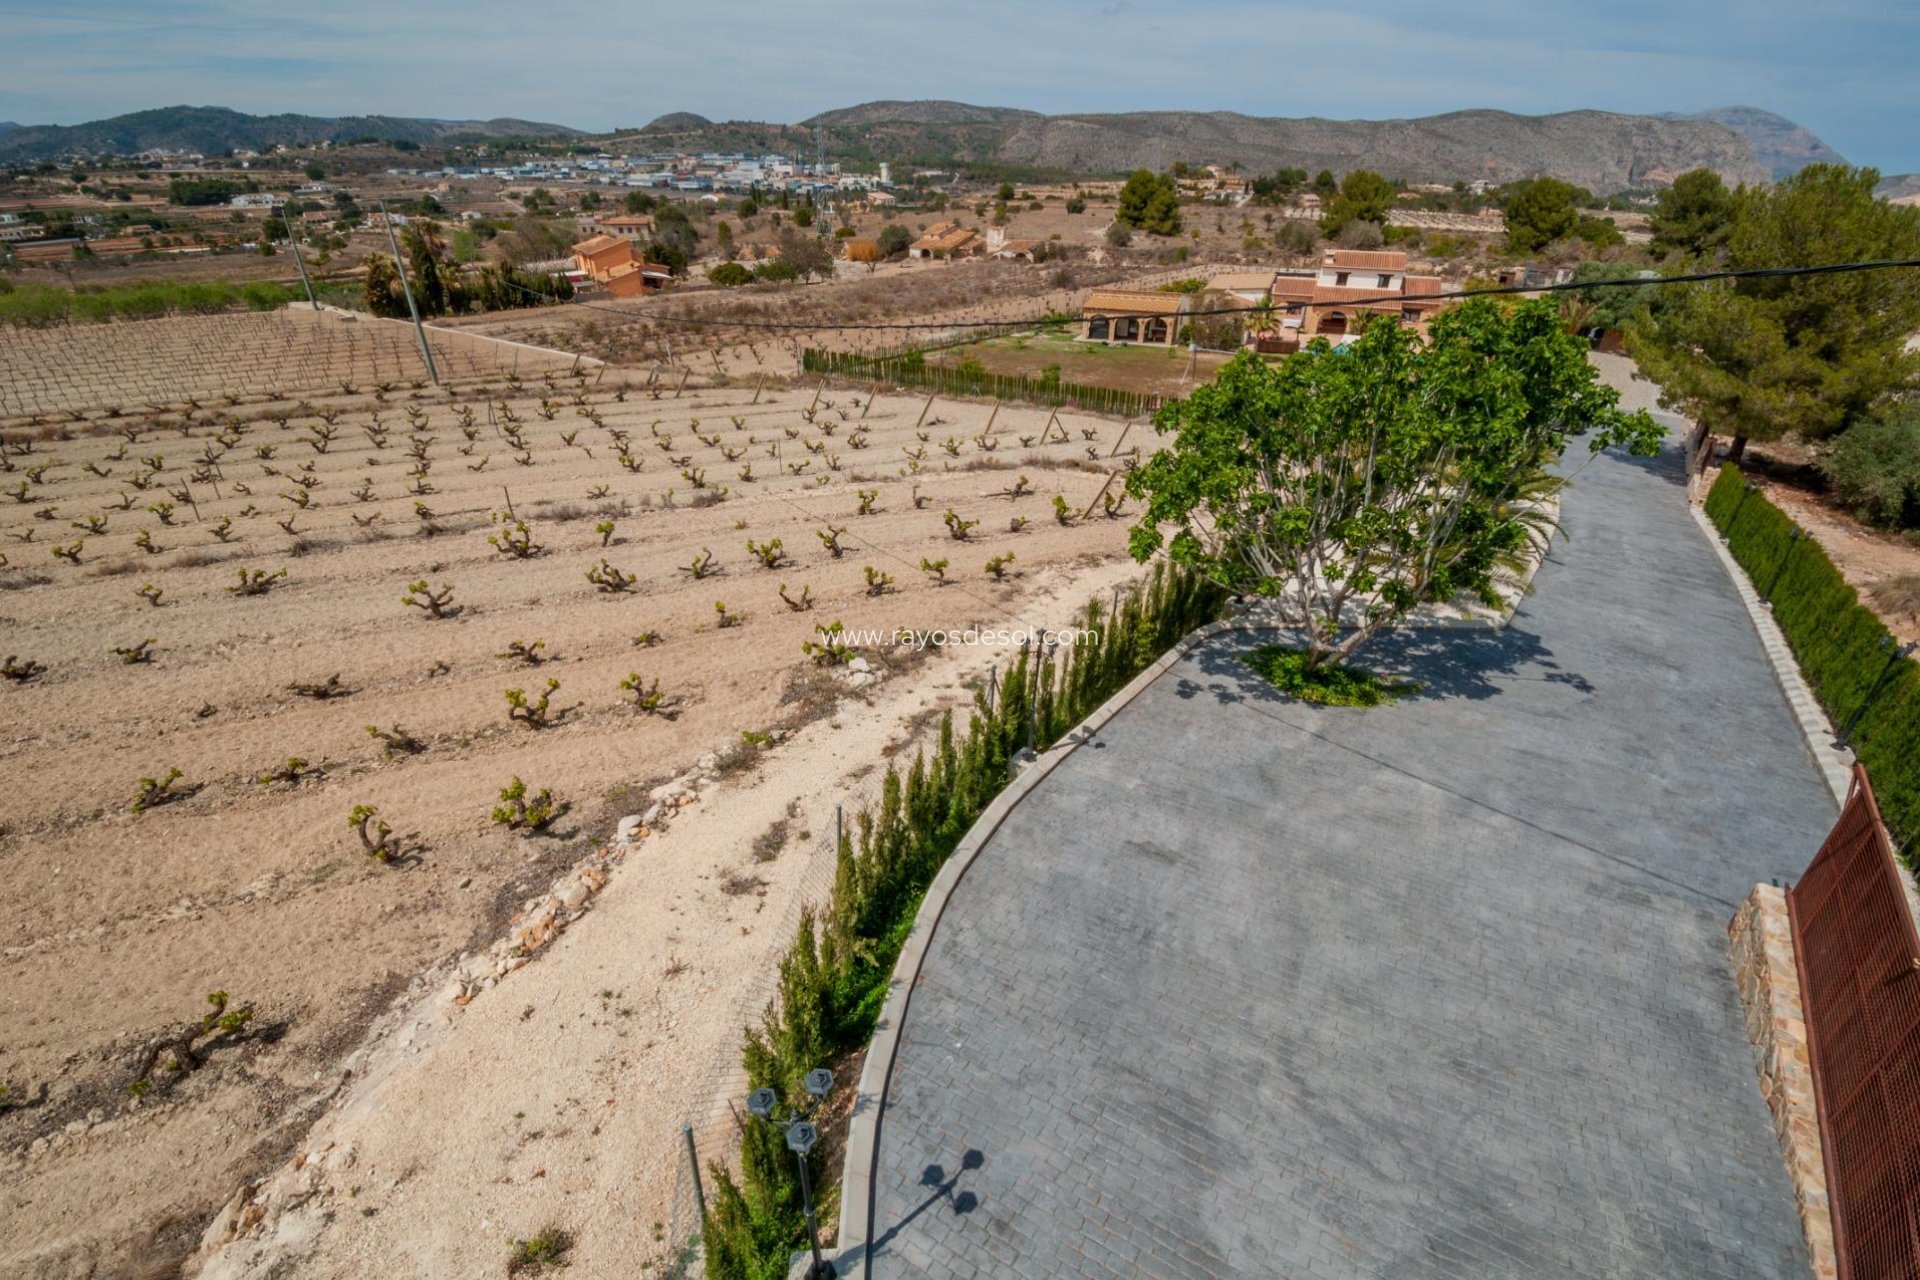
1841,645
1330,685
1874,468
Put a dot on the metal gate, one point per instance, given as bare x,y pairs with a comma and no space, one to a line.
1859,959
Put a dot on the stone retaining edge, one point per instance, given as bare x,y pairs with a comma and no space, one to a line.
1760,940
1834,762
863,1129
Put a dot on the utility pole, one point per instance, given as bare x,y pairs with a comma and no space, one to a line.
293,238
420,330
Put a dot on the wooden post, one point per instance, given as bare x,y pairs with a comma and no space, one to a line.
990,417
816,395
683,383
509,495
870,399
923,413
1103,493
1123,436
758,383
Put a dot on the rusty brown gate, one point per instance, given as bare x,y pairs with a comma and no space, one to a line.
1859,959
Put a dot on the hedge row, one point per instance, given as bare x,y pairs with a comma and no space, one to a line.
912,370
1841,645
833,980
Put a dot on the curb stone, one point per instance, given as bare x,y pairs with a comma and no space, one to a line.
863,1130
1834,762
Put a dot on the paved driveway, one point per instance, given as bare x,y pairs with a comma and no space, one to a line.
1249,988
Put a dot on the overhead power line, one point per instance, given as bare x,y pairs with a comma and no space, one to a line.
1488,291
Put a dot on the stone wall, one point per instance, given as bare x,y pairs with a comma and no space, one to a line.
1761,940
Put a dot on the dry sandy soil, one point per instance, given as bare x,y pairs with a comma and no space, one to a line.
119,925
1883,567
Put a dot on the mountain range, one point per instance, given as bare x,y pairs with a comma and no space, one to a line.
211,130
1603,151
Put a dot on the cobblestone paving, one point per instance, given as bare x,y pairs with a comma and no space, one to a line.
1250,988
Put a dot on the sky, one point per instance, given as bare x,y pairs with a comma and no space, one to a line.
1845,69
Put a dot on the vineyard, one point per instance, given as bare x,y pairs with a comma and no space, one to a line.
320,669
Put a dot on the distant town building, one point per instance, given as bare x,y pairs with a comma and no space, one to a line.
630,226
945,240
998,246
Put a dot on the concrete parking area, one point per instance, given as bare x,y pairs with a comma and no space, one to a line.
1253,988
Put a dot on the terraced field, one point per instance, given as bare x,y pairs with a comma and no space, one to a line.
219,566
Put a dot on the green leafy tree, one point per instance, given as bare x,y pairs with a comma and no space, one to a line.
1614,308
675,239
1325,185
1540,212
1762,358
1693,217
436,279
807,255
1364,196
894,239
1149,203
1350,489
1875,468
382,288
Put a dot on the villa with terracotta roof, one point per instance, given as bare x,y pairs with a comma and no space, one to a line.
632,279
599,255
1146,316
945,240
1349,283
632,226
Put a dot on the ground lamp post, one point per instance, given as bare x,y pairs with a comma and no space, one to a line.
1894,654
801,1138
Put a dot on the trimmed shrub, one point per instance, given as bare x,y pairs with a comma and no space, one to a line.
1840,644
834,978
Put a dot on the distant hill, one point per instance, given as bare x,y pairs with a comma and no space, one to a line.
926,111
1782,146
211,130
1600,150
676,122
1899,186
8,126
1595,149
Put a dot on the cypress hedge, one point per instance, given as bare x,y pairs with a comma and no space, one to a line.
833,979
1841,645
